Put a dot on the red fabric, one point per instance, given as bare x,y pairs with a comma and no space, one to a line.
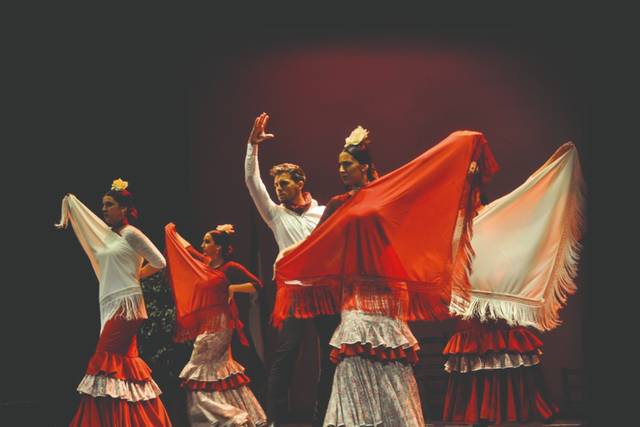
498,395
302,208
117,352
333,204
229,383
380,354
475,337
406,234
108,412
200,293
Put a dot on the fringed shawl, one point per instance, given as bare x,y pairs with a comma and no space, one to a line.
398,246
199,291
527,247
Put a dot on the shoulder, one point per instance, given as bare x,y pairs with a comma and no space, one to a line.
338,199
132,234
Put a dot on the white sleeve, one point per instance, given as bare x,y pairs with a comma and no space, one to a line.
266,207
90,230
144,247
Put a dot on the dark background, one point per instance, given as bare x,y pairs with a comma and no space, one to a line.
169,110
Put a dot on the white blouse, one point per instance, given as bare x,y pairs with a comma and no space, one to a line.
116,259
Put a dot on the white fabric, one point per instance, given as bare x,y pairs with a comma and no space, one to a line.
101,386
527,249
230,408
116,259
491,360
373,394
287,226
374,329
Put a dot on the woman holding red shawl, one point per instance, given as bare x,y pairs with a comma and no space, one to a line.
203,287
527,251
388,251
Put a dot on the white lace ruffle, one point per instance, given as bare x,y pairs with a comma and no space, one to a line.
211,358
101,386
237,407
469,363
377,330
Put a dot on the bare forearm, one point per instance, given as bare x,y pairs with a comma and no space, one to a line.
148,270
243,288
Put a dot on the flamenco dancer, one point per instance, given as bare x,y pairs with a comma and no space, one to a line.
380,258
117,389
290,221
204,285
527,251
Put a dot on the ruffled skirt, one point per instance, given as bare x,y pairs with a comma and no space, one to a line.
117,389
217,392
374,383
495,375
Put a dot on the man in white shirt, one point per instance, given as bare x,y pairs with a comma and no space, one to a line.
290,221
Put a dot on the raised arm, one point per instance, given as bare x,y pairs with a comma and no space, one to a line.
266,207
90,230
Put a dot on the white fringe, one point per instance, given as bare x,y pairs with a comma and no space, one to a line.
129,306
565,269
545,315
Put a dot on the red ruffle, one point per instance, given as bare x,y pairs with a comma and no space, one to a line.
480,338
381,354
229,383
108,412
119,366
497,396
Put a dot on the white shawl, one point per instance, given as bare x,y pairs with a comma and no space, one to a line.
115,258
527,247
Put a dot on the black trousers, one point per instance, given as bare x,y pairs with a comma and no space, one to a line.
281,373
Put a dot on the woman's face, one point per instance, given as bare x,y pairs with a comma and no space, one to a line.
352,172
112,212
209,246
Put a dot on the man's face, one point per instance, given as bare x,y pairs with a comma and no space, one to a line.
287,190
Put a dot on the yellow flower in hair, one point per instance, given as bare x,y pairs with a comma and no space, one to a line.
119,184
226,228
358,135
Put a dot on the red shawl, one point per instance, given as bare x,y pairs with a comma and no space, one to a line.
398,245
199,291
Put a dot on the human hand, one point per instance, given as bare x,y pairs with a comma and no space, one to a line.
258,133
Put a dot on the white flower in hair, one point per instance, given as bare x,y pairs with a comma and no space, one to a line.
358,135
226,228
119,184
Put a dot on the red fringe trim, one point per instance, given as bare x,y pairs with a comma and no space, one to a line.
303,302
119,366
209,320
480,341
380,354
416,301
234,381
497,396
467,210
